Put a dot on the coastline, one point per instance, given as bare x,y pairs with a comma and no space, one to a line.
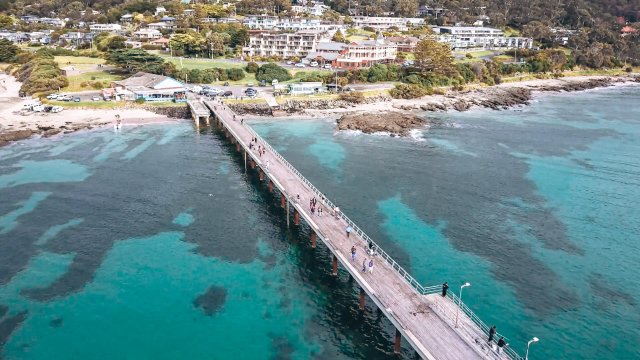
16,124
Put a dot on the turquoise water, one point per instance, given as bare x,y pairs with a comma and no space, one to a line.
537,208
154,243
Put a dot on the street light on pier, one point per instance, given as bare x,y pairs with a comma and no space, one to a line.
460,300
534,340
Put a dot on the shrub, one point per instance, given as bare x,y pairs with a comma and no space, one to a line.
252,67
469,56
352,97
269,72
41,74
140,101
629,69
235,74
409,91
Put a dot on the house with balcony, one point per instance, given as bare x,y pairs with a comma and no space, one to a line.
260,22
147,34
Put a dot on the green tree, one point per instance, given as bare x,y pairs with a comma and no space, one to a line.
434,58
252,67
271,71
135,60
6,21
407,8
8,51
339,37
331,16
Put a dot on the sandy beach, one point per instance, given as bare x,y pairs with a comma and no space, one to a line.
17,124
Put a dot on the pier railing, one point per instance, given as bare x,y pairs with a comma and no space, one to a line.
378,250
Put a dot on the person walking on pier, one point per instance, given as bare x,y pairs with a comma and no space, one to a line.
492,333
364,265
353,253
501,344
268,165
371,266
445,287
349,228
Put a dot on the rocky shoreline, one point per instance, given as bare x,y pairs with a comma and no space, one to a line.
393,122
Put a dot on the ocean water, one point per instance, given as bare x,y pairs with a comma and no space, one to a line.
155,243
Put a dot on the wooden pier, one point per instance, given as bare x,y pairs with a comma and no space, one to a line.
425,319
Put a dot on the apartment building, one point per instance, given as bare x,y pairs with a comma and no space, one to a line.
283,45
354,55
384,23
97,28
461,37
260,22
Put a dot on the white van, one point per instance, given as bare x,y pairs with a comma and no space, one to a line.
274,82
38,108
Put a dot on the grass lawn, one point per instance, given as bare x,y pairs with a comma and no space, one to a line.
190,63
509,32
76,80
77,60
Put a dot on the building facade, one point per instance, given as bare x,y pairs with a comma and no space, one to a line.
384,23
462,37
97,28
355,55
283,45
149,87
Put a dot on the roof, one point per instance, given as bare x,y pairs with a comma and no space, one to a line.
324,55
331,46
160,41
628,29
142,81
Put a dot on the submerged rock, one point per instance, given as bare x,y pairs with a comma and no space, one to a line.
212,300
395,123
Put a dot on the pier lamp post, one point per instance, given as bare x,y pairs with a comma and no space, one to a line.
460,300
534,340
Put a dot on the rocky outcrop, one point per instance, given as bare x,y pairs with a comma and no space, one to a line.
395,123
174,112
16,135
298,106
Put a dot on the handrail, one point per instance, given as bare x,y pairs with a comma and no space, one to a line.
377,249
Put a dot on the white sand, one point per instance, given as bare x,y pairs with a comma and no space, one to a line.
13,118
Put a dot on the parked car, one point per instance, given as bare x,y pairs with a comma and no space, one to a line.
29,106
313,64
65,98
52,97
76,99
348,88
300,65
196,89
212,92
289,62
327,66
56,109
250,84
274,82
251,92
227,93
95,98
38,108
263,82
226,83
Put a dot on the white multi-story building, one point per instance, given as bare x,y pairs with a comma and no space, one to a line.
283,45
354,55
52,22
384,23
147,34
462,37
104,27
260,22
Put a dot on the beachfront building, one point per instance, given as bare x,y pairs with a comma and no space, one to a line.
148,87
404,43
98,28
283,45
355,55
462,37
306,88
260,22
384,23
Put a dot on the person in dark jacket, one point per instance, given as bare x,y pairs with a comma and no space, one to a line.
445,287
492,332
501,344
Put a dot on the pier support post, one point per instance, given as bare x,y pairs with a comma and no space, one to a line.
282,200
253,164
296,217
314,238
287,213
334,271
261,176
245,160
362,298
238,147
398,342
270,186
208,121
